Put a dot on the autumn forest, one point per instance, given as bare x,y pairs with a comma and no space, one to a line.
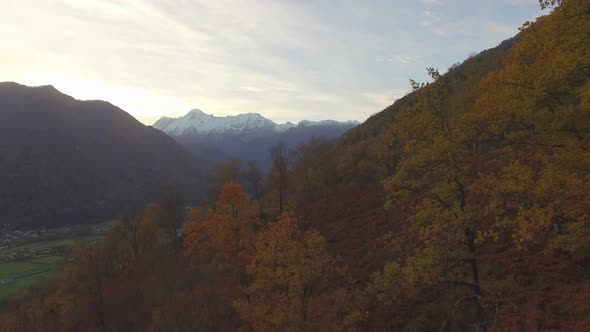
464,206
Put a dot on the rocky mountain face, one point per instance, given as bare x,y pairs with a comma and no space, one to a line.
246,136
197,122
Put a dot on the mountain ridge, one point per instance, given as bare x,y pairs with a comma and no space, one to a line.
76,161
197,122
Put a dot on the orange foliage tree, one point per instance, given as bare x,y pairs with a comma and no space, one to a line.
219,245
295,283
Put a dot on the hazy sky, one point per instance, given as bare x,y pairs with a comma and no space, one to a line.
288,60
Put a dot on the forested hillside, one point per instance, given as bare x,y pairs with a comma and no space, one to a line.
66,161
464,206
485,179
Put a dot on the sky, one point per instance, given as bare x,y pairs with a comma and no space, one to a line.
287,60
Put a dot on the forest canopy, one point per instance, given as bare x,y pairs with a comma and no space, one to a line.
463,206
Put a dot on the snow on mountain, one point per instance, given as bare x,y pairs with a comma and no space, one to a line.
285,126
197,122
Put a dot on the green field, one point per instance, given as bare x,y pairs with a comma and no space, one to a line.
47,260
19,274
17,277
16,274
42,245
16,268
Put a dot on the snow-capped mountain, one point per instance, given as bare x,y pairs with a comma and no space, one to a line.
285,126
245,136
197,122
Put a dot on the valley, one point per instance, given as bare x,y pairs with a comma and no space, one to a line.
32,258
461,204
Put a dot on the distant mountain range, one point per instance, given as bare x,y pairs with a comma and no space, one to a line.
197,122
246,136
64,160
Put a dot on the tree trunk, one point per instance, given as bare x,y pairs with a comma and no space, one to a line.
470,237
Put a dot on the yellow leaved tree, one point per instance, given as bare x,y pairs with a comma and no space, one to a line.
537,110
295,283
509,157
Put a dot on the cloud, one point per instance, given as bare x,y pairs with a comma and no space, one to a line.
400,59
289,60
383,98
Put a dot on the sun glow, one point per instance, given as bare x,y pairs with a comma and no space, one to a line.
135,100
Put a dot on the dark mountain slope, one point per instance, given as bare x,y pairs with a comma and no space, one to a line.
470,71
518,110
352,214
370,142
63,160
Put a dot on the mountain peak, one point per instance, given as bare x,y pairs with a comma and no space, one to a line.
17,86
197,122
195,112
